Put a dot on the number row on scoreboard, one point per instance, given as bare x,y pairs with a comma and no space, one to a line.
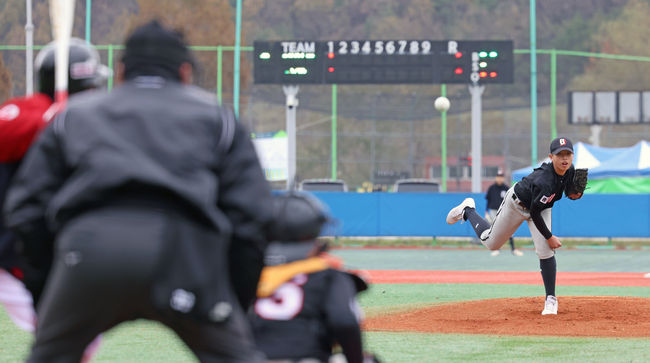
383,47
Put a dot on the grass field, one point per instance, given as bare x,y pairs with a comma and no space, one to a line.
149,342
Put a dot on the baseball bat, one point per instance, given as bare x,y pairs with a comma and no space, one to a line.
61,17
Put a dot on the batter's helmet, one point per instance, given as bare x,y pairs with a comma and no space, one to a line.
85,69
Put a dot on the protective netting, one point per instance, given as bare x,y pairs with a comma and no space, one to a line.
395,130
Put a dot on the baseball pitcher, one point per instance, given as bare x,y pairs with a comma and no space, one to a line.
531,200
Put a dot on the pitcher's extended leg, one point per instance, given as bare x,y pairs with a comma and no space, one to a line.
505,223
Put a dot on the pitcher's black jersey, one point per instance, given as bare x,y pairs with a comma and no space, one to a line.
540,190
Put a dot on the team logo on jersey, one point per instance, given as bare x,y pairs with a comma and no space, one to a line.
562,142
547,199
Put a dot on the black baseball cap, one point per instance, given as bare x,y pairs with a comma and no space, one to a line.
561,143
153,50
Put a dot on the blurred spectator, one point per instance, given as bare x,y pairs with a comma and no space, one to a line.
494,195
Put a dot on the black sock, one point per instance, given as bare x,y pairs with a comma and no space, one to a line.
478,223
549,270
512,244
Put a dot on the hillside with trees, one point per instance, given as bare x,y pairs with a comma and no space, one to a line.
588,25
385,127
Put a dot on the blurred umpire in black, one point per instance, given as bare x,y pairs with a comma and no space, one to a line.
154,197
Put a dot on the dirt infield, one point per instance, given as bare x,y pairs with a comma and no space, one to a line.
583,316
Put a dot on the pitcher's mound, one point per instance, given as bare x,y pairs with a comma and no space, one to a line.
602,316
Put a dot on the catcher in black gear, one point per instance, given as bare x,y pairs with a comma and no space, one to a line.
531,200
306,302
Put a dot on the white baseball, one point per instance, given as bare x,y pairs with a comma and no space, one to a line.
442,104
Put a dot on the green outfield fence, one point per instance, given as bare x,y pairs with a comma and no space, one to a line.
383,130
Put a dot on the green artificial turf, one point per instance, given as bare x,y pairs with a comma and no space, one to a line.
421,348
150,342
14,343
143,341
138,341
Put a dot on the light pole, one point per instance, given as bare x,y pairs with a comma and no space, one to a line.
476,91
237,59
533,85
291,91
29,50
89,5
442,104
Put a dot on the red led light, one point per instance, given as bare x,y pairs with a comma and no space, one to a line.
458,70
493,74
330,69
458,55
483,74
330,55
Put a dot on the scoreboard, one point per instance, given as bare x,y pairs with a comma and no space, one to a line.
383,62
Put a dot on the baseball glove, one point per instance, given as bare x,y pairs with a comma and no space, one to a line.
577,188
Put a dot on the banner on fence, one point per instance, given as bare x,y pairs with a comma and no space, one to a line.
273,152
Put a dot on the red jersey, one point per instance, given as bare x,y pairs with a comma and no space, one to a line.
21,119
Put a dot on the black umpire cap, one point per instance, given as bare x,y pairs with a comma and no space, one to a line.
154,50
561,143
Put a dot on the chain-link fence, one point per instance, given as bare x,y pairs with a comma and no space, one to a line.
395,130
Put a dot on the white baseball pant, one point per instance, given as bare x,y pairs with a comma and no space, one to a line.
509,217
17,301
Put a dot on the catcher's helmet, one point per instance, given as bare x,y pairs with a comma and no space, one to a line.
297,217
85,70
